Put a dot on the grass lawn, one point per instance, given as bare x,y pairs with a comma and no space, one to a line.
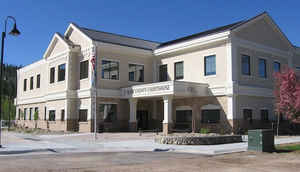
294,147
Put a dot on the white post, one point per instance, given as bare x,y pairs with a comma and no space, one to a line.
133,104
167,123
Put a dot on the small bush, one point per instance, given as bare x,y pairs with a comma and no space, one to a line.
204,130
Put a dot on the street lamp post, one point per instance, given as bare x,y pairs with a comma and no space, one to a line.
14,32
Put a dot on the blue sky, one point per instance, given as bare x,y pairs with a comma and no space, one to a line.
155,20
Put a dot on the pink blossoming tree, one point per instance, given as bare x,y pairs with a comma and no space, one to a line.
287,93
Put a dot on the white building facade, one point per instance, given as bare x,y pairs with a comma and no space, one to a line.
220,79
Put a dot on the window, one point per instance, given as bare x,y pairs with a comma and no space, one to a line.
30,113
246,65
62,115
262,68
52,75
136,73
31,83
276,67
38,81
210,116
163,73
178,67
61,72
297,67
264,115
247,113
210,65
183,116
45,113
36,110
83,115
25,111
25,85
51,115
110,70
84,69
108,112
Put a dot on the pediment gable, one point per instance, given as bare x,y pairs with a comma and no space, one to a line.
57,45
263,30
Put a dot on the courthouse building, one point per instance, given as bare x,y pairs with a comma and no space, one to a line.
219,79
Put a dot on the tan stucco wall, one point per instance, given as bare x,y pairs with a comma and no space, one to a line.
79,39
254,79
194,64
263,33
58,47
124,59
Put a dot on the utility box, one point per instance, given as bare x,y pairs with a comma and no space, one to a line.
261,140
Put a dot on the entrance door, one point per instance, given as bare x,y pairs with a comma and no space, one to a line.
142,119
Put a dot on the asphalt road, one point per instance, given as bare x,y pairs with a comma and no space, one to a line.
151,161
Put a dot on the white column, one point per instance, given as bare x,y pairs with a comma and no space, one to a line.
168,109
133,104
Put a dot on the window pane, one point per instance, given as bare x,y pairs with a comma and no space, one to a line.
25,111
62,115
84,69
247,115
210,116
61,72
245,65
52,115
25,85
108,112
52,75
136,73
31,83
163,73
276,67
178,70
210,65
110,70
264,115
183,116
83,115
30,113
262,68
38,81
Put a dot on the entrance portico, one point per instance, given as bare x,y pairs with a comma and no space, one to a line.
167,91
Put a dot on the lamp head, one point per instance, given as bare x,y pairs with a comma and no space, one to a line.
15,31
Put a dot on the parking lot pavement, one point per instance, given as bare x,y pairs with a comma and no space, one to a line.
20,143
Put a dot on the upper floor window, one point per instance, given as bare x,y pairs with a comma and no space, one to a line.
276,67
178,67
61,72
210,65
262,68
52,75
246,65
38,81
25,85
163,73
84,69
136,73
31,83
110,70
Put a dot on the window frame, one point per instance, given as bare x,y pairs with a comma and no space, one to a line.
83,75
110,78
62,115
25,85
279,64
86,115
38,81
135,77
250,120
248,73
264,118
110,119
265,68
165,77
175,70
61,73
206,73
52,75
50,117
217,121
31,83
25,111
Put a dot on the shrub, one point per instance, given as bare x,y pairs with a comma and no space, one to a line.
204,130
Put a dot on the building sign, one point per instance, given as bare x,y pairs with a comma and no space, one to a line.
146,90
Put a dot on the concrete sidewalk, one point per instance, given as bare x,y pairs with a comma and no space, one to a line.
19,143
